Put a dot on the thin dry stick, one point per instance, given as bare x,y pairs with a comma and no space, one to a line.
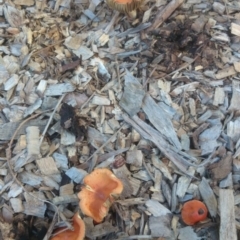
9,156
50,119
164,14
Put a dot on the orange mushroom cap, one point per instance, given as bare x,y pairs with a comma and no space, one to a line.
124,6
96,196
193,212
77,234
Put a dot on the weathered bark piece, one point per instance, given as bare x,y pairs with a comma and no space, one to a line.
227,215
133,94
160,121
208,197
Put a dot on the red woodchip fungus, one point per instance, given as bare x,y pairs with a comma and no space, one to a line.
125,6
77,234
97,195
193,212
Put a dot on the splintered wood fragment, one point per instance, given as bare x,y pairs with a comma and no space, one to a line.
160,120
161,166
131,201
33,145
226,72
227,215
235,29
65,199
165,13
47,166
151,134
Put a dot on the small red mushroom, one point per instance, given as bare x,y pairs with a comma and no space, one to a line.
193,212
96,196
77,234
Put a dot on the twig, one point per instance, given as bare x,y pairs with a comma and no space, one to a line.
50,119
9,156
150,134
164,14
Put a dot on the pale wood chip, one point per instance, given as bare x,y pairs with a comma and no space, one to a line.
227,215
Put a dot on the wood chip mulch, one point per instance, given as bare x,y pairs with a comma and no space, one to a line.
155,99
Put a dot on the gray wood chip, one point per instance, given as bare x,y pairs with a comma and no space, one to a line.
156,208
160,226
160,120
227,215
208,197
47,166
133,94
76,174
